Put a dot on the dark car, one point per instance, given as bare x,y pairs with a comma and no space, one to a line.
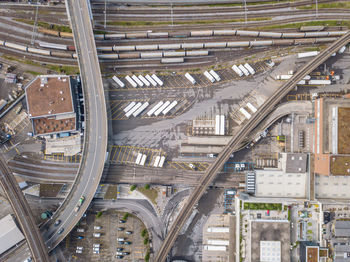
122,221
60,230
121,242
126,253
119,249
119,257
121,228
127,243
80,237
58,221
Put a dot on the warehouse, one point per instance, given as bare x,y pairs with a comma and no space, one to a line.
50,105
10,233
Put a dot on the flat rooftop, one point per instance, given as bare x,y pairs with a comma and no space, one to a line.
296,163
340,165
10,234
344,130
49,95
270,231
312,254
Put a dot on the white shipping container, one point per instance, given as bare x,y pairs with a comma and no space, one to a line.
143,160
222,125
308,54
190,78
215,248
150,79
301,82
161,162
307,77
284,77
157,79
132,110
209,76
244,70
245,113
171,106
218,229
341,50
154,109
118,81
217,125
140,110
132,82
237,70
156,162
215,75
218,242
144,80
138,158
251,107
131,105
138,81
249,68
160,109
319,82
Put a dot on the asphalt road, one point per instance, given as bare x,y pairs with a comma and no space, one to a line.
96,127
142,209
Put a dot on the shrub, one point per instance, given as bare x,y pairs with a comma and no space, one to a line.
147,256
133,187
145,241
147,186
99,214
144,232
125,217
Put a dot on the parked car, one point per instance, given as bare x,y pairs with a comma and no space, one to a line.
127,243
60,230
120,249
80,237
80,230
57,222
128,232
121,228
120,257
97,227
122,221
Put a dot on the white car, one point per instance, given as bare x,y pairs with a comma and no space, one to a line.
97,227
81,230
191,166
96,245
97,234
79,251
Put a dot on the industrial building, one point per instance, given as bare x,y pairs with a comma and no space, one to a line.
311,252
332,139
51,105
10,233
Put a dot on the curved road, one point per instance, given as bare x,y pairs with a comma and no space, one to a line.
142,209
95,144
212,171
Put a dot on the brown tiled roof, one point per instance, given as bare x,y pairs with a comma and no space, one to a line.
51,98
49,125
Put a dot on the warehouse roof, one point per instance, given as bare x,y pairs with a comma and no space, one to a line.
10,234
48,126
49,95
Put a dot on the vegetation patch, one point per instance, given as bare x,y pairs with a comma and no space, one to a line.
309,23
262,206
198,22
56,27
151,194
343,5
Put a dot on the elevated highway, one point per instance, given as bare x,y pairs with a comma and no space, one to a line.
264,110
23,214
95,138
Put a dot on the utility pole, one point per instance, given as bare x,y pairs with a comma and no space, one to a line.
316,8
34,26
245,11
105,13
172,18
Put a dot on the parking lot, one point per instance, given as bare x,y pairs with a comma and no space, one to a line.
198,166
178,80
107,231
117,107
127,155
63,158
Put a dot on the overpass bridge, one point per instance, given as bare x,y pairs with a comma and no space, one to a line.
264,110
95,137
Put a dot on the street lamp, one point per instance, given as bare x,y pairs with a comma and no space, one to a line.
316,8
245,11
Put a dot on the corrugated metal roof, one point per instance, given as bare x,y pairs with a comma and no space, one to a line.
10,234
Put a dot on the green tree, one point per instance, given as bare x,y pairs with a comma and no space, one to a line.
147,256
144,232
133,187
99,214
147,186
145,241
125,217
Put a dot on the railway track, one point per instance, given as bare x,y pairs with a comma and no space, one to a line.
23,213
212,171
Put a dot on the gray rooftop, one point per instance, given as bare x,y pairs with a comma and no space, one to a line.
10,234
341,252
296,163
342,228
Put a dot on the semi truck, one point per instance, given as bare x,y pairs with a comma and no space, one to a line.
80,202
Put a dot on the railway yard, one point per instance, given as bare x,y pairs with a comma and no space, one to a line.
175,131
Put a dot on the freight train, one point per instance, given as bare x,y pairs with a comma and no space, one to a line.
34,50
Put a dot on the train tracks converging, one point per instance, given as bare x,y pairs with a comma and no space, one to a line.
23,214
212,171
